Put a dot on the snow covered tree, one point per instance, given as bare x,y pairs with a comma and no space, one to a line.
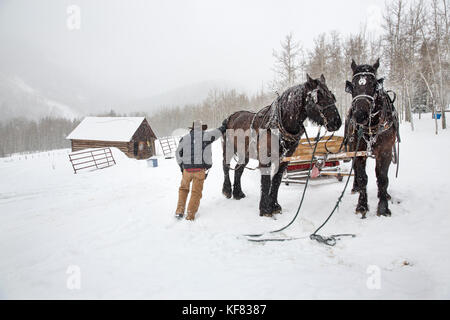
288,64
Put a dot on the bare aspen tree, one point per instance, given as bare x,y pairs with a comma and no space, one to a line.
354,48
433,101
287,63
440,30
335,70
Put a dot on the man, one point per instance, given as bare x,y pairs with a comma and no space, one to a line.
194,157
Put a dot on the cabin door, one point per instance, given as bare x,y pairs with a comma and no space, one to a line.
135,148
142,150
150,148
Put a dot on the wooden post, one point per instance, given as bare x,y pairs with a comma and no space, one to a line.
92,154
107,159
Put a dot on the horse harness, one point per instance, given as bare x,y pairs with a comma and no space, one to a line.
372,132
273,119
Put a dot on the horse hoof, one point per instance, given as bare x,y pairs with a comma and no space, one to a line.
386,213
238,195
363,214
277,209
227,194
362,210
265,213
383,209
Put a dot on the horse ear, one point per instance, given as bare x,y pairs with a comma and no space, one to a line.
348,87
377,64
309,82
353,65
322,79
380,83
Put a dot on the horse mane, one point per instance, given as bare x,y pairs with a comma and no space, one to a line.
292,97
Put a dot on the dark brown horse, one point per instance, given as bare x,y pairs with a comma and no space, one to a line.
372,111
283,121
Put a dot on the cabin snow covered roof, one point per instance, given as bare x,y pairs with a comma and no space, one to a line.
120,129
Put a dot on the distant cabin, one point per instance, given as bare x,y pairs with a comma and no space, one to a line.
132,135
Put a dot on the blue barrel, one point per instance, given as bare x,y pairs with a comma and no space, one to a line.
152,163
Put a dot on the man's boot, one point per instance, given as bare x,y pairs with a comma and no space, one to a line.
190,216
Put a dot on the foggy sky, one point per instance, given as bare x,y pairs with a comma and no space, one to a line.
141,48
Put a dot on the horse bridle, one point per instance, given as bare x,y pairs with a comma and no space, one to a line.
364,95
315,100
365,74
371,101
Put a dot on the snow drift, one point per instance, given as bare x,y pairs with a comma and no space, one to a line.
116,227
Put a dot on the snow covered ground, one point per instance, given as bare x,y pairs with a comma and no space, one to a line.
112,232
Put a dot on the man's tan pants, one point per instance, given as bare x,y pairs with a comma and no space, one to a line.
197,179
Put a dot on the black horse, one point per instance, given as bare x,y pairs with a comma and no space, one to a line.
372,111
287,113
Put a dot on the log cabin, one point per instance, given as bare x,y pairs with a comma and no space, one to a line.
132,135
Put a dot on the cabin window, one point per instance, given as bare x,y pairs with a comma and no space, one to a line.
141,146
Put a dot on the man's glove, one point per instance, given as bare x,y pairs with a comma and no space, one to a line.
222,129
181,168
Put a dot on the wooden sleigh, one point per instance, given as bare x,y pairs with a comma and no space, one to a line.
327,160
